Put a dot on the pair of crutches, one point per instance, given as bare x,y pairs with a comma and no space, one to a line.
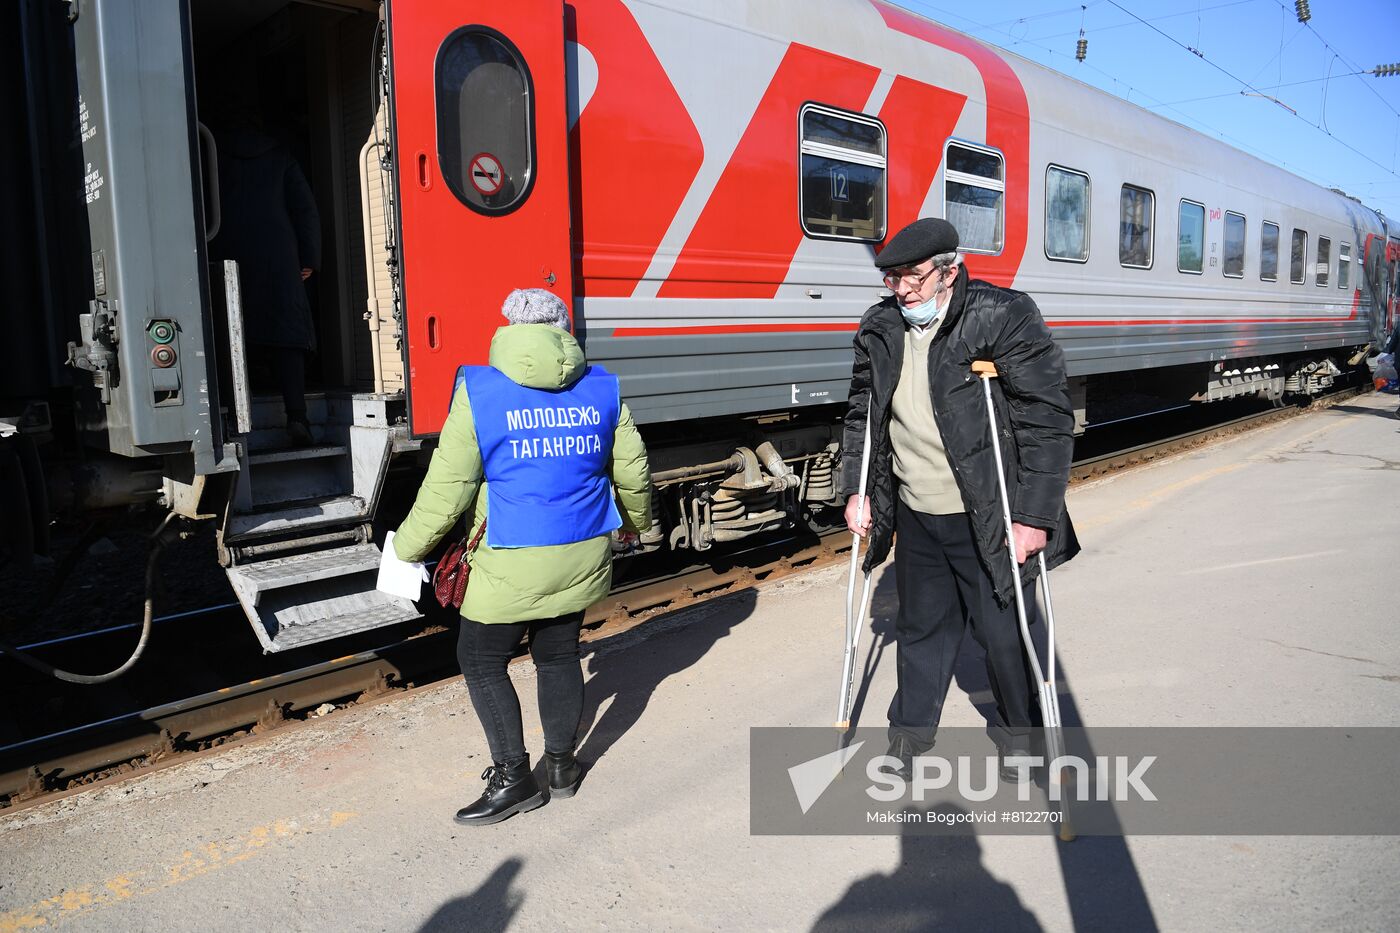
1045,677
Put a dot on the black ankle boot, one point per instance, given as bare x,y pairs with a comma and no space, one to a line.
510,789
564,773
903,750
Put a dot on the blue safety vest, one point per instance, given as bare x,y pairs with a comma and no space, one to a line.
546,456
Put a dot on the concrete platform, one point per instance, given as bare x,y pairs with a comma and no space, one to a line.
1252,582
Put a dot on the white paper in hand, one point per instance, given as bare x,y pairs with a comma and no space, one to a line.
398,577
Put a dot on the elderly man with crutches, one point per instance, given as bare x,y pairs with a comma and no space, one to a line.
934,474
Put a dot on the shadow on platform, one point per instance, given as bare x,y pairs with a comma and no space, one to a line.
940,884
1100,877
488,909
630,678
1388,412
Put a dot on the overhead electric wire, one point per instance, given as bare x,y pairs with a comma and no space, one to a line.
1348,62
1160,104
1256,90
1118,82
1194,100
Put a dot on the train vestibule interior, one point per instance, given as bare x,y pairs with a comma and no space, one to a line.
289,94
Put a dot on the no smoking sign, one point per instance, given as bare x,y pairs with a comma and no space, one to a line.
486,173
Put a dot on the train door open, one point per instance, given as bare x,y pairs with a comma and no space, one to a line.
144,347
480,134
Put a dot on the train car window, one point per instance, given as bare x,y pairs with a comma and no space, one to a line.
1344,265
1298,258
1135,221
974,195
1234,245
1191,237
842,158
1268,252
1323,270
1066,214
485,120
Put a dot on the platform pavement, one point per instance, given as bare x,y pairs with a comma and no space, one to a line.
1251,582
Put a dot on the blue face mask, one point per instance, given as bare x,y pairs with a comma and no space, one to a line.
921,315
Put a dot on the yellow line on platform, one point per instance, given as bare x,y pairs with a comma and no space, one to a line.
203,859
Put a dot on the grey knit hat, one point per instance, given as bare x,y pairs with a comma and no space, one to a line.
535,306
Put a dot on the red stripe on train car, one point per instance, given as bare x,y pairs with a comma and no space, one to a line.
848,327
742,245
634,143
853,325
1187,320
918,118
1008,129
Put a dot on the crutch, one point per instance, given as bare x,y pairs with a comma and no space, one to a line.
855,621
1049,698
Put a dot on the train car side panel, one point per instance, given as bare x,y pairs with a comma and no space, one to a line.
480,124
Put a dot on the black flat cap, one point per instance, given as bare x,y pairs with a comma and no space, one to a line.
917,242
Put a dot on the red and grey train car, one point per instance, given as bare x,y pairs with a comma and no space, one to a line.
705,183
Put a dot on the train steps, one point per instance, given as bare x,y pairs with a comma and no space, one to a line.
315,596
297,532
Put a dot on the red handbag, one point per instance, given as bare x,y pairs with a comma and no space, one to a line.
451,573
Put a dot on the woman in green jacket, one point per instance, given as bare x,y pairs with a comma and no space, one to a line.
542,441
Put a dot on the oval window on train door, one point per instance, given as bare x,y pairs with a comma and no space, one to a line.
485,117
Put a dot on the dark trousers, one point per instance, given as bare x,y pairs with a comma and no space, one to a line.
484,650
285,369
942,590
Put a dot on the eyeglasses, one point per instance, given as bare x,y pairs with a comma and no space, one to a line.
912,279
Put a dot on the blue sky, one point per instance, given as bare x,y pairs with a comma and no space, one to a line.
1344,131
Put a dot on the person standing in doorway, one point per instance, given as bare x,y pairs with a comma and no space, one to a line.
271,228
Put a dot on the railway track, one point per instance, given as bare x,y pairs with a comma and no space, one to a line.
101,751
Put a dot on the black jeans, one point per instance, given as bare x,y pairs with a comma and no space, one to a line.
942,590
484,650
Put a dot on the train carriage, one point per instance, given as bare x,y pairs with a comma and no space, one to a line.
705,184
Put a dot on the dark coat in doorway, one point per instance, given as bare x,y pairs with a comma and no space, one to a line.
270,226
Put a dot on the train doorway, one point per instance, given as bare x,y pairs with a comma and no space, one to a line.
286,91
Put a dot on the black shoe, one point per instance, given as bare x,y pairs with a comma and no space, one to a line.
1012,774
510,789
299,430
903,748
564,772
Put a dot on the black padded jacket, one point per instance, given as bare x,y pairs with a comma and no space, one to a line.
1034,414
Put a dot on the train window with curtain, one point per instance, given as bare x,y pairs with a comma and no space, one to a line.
1297,260
1191,237
974,195
485,120
1135,209
1234,245
1344,265
1066,214
1268,252
842,159
1323,270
